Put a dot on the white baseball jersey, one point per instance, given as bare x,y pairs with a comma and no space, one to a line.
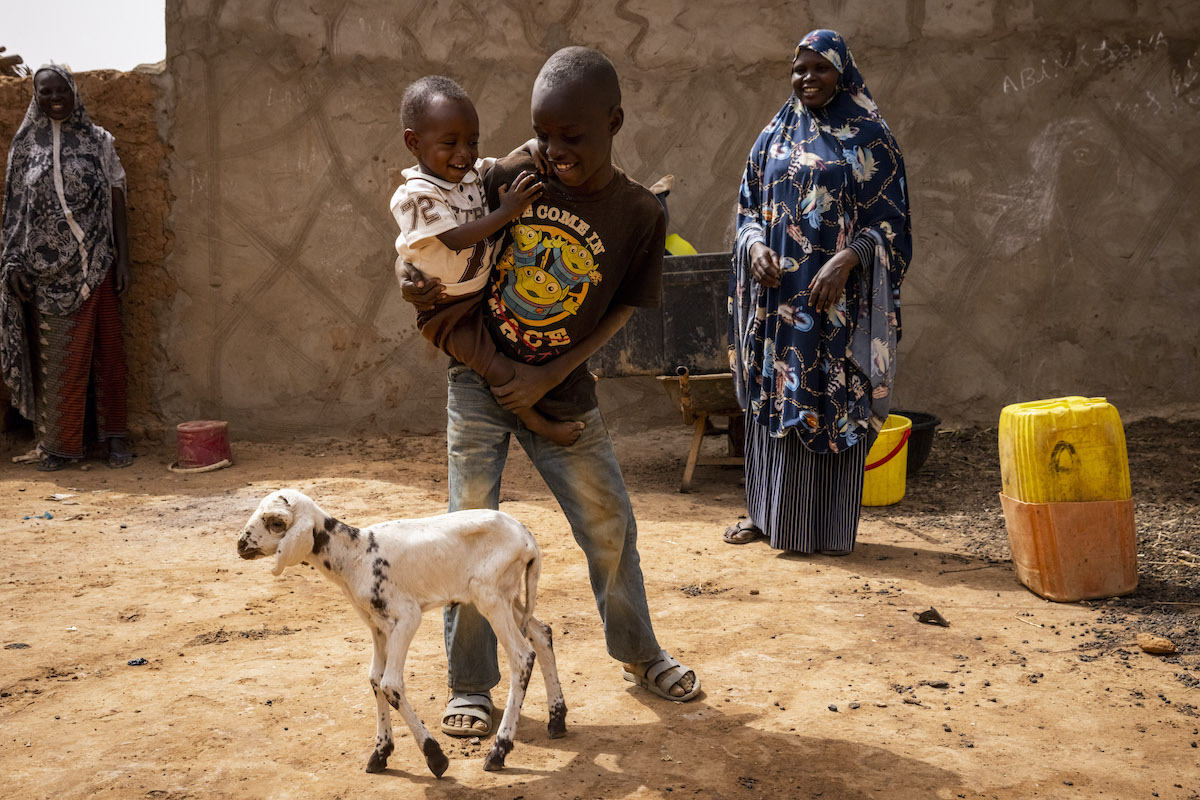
425,206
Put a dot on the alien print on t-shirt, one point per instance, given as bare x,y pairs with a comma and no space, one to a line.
544,276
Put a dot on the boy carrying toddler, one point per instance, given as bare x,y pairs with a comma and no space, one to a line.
573,266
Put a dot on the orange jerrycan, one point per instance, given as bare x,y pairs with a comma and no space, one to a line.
1066,498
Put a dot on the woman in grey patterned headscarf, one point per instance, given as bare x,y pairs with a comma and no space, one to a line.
65,260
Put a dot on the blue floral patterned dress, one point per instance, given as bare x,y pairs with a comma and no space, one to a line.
817,182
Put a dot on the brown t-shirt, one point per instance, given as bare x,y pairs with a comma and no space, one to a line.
563,265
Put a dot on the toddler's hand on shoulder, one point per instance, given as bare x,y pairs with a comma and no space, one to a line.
524,190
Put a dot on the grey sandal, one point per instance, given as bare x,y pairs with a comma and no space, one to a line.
476,706
663,670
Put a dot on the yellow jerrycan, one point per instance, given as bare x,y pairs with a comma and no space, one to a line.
1066,498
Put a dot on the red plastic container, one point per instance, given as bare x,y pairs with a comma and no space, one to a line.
1073,551
203,443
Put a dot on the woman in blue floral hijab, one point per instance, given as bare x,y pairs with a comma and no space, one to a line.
823,243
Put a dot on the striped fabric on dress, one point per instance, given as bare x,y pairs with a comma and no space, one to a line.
803,501
71,349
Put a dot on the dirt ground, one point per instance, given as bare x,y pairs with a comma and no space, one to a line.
818,681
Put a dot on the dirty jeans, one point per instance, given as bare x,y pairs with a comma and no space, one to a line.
588,485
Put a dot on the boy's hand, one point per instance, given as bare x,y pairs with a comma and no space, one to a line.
423,292
529,385
525,189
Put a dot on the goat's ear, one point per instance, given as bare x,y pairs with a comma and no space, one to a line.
297,545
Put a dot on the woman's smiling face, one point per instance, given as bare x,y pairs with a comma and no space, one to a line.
814,79
54,95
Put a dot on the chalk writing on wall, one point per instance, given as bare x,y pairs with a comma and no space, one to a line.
1087,56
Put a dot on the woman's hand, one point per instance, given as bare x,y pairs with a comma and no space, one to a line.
764,265
416,288
121,274
529,385
18,284
827,286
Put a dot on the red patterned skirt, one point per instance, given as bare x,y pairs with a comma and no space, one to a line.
72,350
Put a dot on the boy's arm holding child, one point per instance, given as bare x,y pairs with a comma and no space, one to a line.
525,189
531,383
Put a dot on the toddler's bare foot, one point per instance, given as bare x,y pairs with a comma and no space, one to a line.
563,434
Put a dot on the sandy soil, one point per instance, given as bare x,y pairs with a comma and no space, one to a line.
818,680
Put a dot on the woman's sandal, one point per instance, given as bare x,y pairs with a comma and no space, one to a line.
119,454
476,706
660,674
120,460
744,532
51,463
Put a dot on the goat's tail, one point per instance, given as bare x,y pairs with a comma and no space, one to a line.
533,570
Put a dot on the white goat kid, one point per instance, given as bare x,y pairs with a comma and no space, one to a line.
393,571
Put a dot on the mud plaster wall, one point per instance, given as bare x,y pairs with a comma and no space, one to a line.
1052,181
127,105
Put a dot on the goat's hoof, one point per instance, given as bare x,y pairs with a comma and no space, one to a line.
435,758
557,726
379,758
495,757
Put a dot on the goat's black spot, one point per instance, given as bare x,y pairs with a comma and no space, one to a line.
372,545
320,541
326,563
350,531
379,603
330,524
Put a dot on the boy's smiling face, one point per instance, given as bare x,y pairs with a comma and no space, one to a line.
574,130
446,141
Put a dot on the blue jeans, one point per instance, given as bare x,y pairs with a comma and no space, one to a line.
588,485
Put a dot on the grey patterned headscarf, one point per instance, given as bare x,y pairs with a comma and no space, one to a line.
57,227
